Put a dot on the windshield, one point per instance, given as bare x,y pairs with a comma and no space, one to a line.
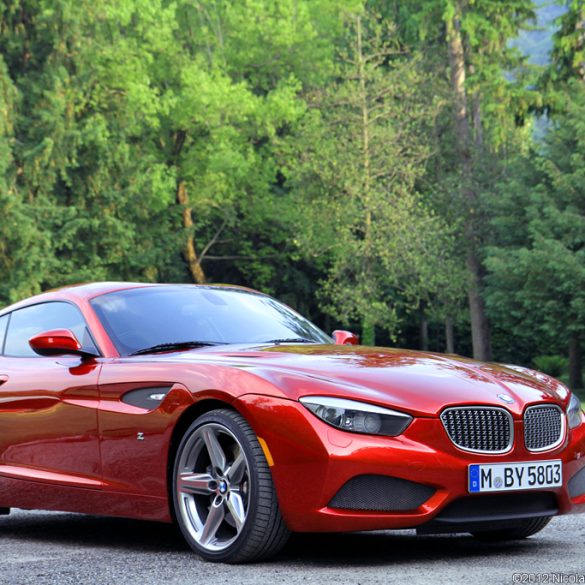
142,318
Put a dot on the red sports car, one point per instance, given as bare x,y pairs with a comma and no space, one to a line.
221,409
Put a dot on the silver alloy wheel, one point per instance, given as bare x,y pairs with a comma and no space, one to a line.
213,487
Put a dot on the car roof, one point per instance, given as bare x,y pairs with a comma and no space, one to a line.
87,291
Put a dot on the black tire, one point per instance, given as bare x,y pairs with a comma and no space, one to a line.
522,529
262,533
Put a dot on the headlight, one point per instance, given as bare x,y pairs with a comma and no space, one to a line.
574,412
357,417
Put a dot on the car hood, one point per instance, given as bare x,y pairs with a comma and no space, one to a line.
419,382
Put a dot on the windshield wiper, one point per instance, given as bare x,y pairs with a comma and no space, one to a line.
175,345
291,340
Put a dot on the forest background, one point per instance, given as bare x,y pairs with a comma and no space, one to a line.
413,170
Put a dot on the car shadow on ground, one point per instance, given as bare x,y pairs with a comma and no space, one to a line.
397,547
351,549
92,531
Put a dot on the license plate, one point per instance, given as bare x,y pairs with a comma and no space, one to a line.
501,477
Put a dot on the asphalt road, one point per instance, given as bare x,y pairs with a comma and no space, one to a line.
61,549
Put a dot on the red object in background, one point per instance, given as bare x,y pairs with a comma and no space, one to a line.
345,338
103,433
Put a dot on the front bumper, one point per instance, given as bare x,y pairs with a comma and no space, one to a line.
313,461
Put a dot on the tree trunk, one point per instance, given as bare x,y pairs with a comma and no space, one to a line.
476,122
580,26
423,329
189,251
476,115
575,367
479,324
368,323
480,331
449,335
365,111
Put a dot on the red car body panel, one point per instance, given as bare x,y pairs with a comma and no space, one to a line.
69,442
49,421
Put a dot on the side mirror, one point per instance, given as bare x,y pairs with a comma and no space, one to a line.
57,342
345,338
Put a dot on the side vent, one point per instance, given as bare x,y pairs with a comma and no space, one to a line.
147,398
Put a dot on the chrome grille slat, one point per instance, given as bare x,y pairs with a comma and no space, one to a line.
543,427
479,428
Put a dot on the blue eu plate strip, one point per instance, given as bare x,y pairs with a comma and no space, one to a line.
473,478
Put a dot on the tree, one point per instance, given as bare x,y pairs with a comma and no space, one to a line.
479,323
21,248
146,121
568,54
538,270
234,74
85,102
360,152
475,39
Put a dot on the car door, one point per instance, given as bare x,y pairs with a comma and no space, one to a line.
48,405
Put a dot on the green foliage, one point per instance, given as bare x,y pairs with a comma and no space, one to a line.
553,365
568,55
538,267
119,102
255,108
86,98
381,244
498,77
20,245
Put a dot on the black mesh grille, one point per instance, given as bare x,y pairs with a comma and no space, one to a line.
381,493
577,484
543,427
479,429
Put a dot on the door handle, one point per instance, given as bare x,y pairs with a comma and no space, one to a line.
3,379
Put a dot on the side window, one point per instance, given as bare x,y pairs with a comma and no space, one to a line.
32,320
3,325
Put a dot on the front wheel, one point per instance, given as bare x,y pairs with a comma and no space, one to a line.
523,529
223,495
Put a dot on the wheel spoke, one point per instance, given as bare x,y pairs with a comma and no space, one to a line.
196,483
235,505
216,454
213,522
235,473
212,487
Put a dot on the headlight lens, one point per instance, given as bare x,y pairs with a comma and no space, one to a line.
357,417
574,412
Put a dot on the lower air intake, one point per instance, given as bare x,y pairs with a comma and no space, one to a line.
380,493
577,484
